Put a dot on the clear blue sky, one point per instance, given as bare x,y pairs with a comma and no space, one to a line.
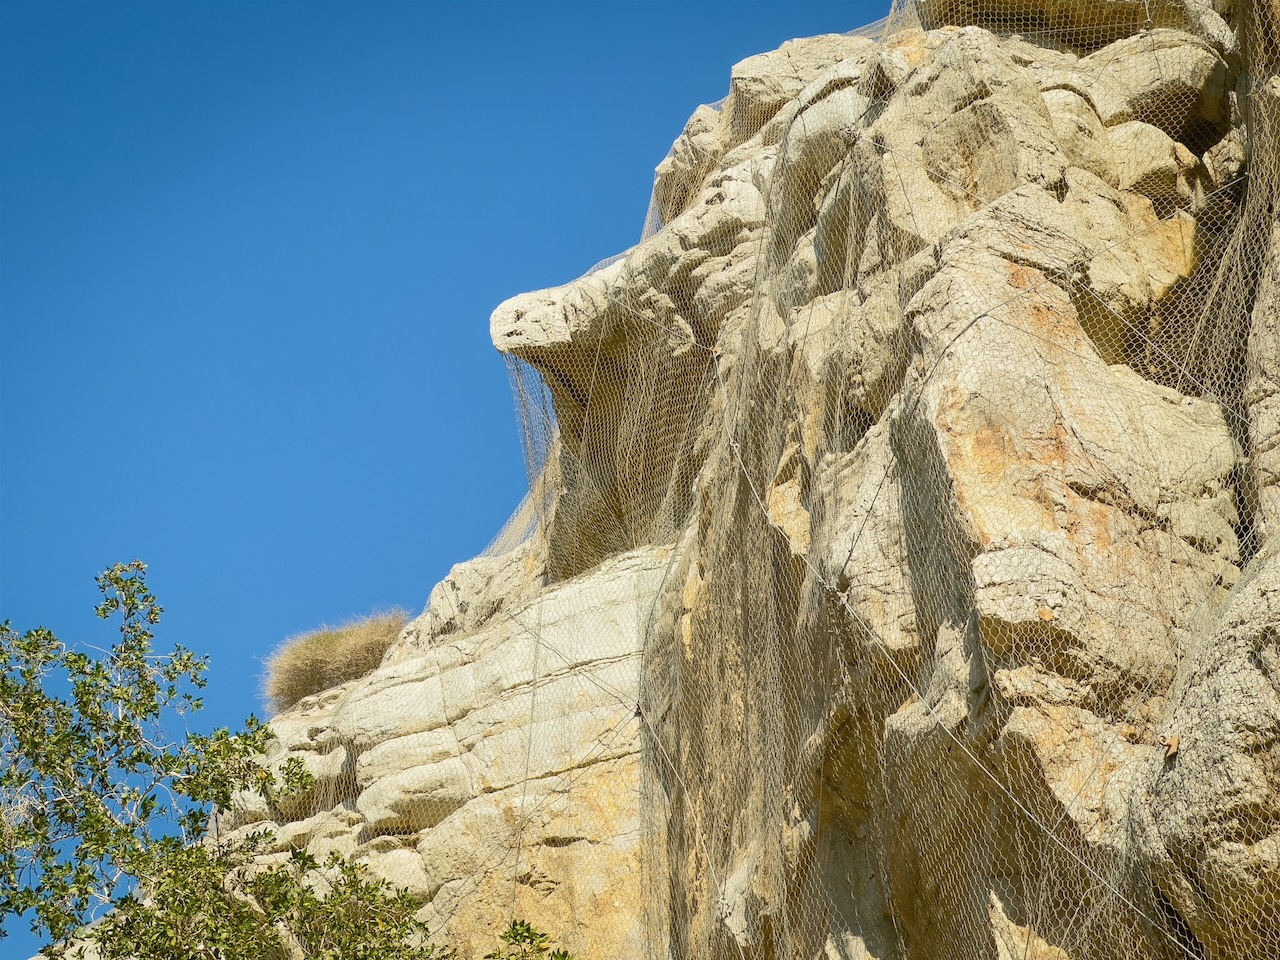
248,253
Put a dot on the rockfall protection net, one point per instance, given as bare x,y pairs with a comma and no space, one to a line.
896,575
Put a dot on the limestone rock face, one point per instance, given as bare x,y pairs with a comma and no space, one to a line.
1211,817
485,750
902,580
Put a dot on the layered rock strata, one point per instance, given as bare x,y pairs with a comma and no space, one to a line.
479,767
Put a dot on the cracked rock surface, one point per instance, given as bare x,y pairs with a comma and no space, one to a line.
904,580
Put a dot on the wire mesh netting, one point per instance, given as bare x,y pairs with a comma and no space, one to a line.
896,577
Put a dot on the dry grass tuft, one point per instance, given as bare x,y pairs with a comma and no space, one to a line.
310,662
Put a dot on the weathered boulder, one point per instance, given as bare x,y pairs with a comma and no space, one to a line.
762,85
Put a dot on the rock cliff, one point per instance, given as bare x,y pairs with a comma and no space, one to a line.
899,575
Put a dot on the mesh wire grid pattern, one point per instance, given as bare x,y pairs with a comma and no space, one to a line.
896,578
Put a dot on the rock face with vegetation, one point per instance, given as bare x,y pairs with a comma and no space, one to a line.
902,576
489,765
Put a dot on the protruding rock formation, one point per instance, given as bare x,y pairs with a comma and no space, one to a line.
486,765
902,580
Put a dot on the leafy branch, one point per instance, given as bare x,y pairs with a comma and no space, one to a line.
104,816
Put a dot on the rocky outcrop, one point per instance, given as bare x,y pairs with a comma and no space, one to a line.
902,585
478,767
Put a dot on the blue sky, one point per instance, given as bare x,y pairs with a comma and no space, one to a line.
248,252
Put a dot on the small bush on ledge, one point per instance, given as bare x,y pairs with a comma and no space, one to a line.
310,662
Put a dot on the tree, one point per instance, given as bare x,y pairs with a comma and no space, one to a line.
103,813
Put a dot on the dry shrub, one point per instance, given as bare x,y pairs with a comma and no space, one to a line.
310,662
